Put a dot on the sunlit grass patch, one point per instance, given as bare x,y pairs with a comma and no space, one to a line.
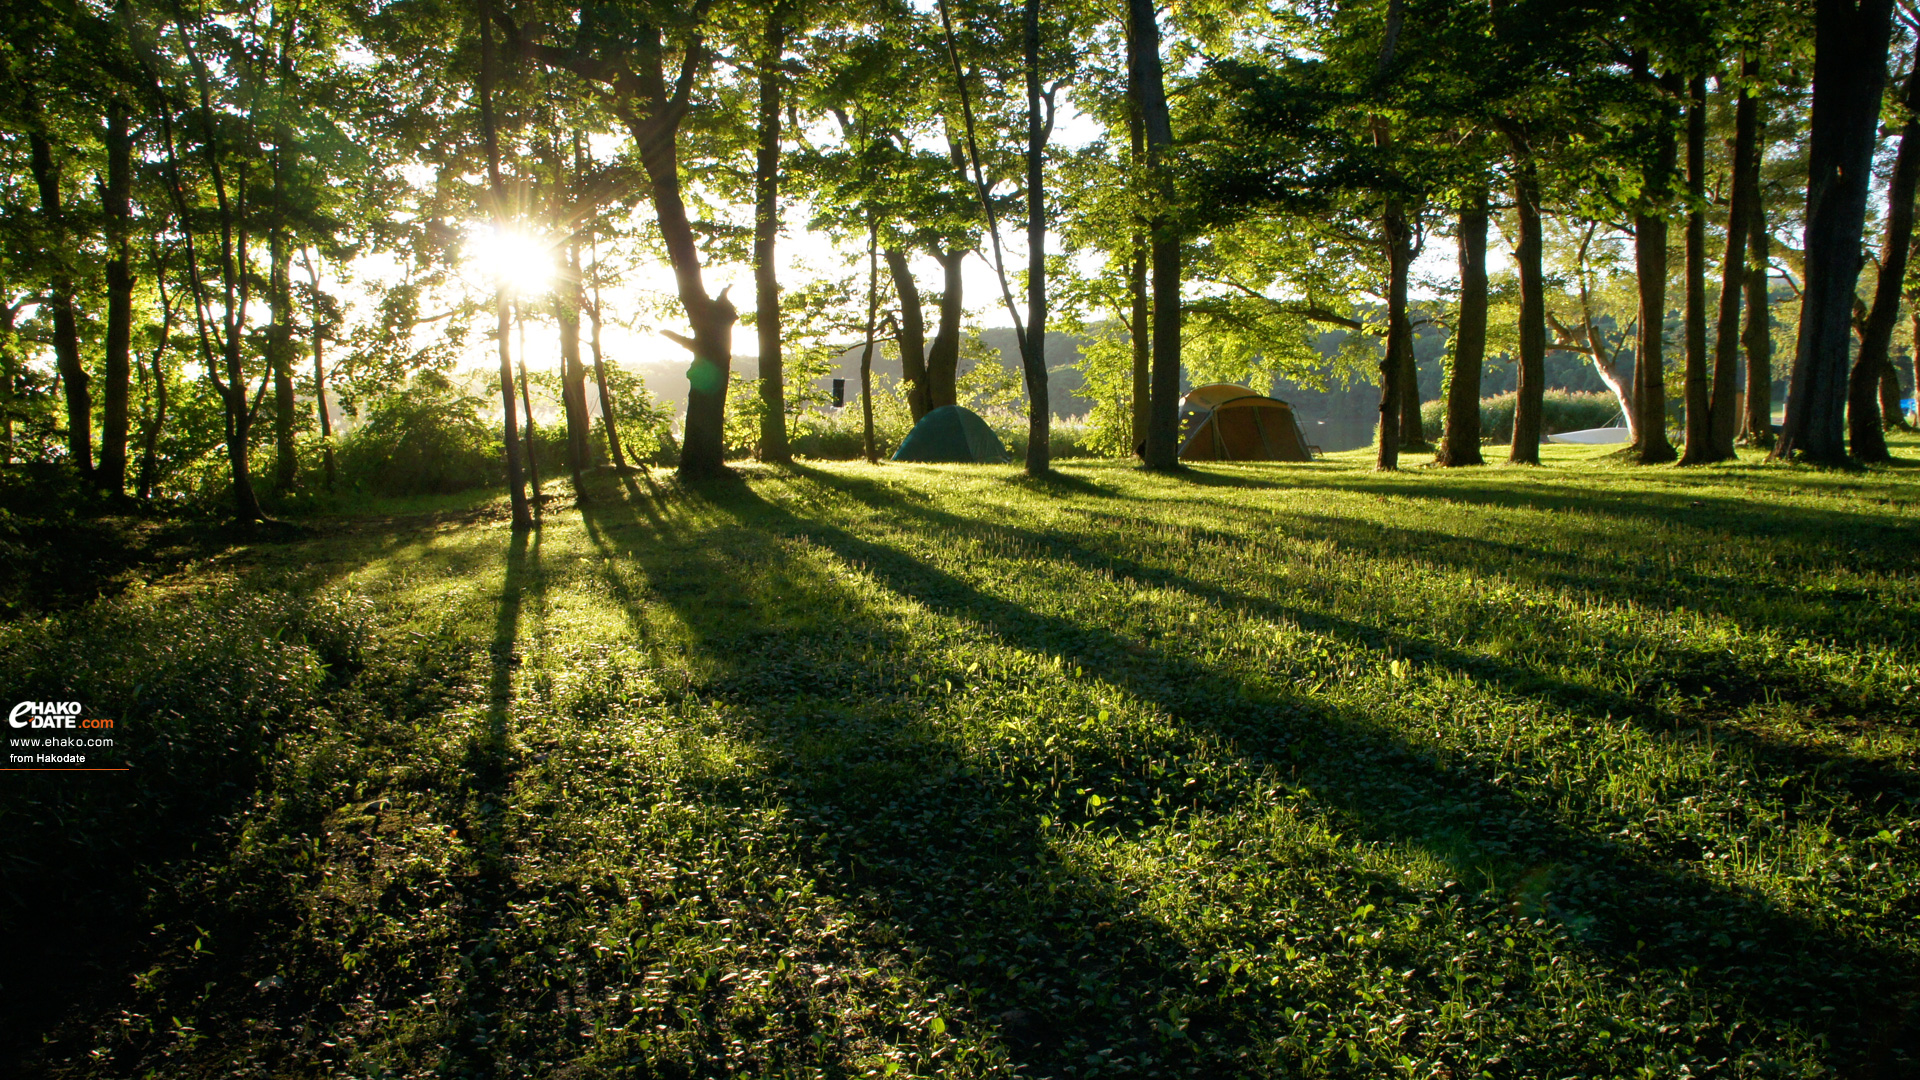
1258,770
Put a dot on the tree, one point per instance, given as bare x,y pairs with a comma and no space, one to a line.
766,231
627,59
1725,424
1864,411
1849,69
1699,429
496,189
1148,88
1460,445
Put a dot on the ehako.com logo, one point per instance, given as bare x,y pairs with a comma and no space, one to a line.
61,715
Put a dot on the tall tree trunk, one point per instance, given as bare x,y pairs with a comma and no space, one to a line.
317,335
1849,70
1891,416
1393,369
1699,431
1147,86
117,200
573,374
239,412
503,316
766,230
1725,426
607,422
1756,338
1034,356
1461,443
1650,267
66,334
568,297
526,404
912,333
1413,435
943,356
651,109
1140,328
280,351
1865,407
866,352
280,270
509,428
9,382
155,420
703,450
1528,398
1915,356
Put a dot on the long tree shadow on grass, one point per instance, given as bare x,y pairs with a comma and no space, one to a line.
1781,968
1794,764
1705,503
489,768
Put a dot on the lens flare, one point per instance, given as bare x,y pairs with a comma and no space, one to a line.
520,263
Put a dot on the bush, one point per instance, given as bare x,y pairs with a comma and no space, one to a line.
839,435
428,439
1070,437
1561,410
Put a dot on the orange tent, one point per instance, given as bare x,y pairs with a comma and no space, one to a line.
1223,422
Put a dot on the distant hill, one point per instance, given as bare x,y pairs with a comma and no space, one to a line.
1357,403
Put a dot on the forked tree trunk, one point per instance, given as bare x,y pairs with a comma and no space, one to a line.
1460,445
1849,70
651,109
766,232
117,199
1529,395
1147,86
1725,426
1699,431
1866,399
703,450
912,333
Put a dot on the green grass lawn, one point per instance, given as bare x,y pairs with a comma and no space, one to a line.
1289,770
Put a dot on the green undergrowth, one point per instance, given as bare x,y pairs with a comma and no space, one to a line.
1304,770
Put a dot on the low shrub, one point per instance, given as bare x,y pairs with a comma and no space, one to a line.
1560,410
427,439
1068,437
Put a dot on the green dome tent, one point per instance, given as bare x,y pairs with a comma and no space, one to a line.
951,433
